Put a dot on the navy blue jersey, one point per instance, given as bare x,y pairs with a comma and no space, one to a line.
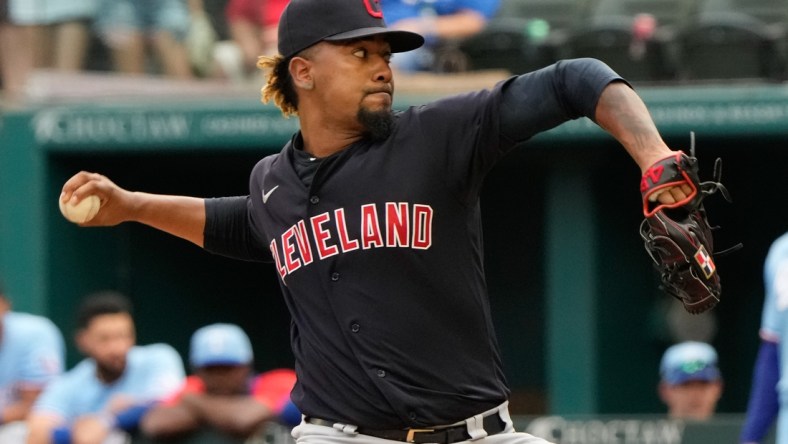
380,257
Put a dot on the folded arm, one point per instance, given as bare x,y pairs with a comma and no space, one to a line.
164,421
19,409
40,427
234,415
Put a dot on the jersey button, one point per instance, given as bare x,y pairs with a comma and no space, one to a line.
335,276
381,373
355,328
314,199
412,416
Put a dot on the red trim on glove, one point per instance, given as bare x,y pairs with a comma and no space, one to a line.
650,183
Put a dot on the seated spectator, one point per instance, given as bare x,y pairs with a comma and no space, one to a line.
768,393
127,27
223,395
253,26
691,383
32,353
438,21
16,54
104,396
60,30
41,34
202,37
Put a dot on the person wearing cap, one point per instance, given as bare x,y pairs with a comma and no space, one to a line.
103,397
223,394
371,218
32,354
439,21
252,24
768,396
691,384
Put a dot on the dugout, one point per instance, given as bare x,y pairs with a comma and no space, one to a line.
580,321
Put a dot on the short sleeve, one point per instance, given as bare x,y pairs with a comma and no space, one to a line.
775,274
55,399
164,373
45,355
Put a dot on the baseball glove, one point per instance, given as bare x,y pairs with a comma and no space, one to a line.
678,237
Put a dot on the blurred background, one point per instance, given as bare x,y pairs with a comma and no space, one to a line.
163,97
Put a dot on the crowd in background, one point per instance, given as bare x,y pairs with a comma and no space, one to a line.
644,40
121,390
184,39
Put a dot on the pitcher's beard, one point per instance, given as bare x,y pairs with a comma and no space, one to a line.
378,125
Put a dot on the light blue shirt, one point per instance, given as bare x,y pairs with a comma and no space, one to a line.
775,308
396,10
423,59
152,371
32,353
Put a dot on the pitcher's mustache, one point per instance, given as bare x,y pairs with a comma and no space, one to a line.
389,89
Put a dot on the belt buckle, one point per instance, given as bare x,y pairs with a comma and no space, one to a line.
412,432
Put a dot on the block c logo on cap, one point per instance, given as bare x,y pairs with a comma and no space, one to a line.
373,8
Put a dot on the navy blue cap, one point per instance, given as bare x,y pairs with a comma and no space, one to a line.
304,23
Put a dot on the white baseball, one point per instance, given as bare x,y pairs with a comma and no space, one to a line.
82,212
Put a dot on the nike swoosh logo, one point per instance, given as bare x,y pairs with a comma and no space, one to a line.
269,193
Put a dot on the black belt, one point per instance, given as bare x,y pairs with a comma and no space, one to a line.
492,425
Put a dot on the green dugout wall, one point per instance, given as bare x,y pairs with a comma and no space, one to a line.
580,321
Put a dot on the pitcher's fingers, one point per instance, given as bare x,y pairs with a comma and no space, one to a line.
681,192
80,185
665,197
